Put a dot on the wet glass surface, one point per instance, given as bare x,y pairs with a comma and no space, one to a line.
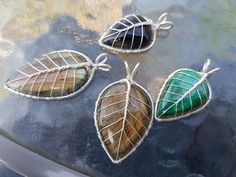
201,145
6,172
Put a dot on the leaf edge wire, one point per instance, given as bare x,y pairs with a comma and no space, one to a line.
92,71
114,50
148,128
184,115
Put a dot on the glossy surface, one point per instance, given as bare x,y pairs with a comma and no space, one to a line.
34,165
122,123
171,104
55,75
203,145
132,34
6,172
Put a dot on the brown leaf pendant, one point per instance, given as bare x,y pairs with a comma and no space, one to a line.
57,75
123,116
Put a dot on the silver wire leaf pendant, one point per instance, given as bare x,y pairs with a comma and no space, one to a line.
123,117
59,74
184,92
133,33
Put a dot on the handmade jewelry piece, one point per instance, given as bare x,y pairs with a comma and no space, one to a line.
184,92
133,33
123,116
57,75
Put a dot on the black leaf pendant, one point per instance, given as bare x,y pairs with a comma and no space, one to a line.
133,33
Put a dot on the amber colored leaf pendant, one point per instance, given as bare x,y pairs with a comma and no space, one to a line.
184,92
133,33
56,75
123,116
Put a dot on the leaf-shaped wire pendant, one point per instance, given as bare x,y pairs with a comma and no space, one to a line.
184,92
133,33
58,74
123,116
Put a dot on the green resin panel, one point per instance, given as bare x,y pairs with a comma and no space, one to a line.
172,102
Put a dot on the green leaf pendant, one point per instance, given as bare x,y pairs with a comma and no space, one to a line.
184,92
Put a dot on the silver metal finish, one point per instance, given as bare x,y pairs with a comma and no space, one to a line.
129,81
99,64
204,73
161,24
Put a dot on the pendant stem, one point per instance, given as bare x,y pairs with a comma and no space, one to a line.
213,71
163,24
130,76
206,66
100,62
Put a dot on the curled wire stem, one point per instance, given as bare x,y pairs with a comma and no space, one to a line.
205,67
162,23
130,76
100,62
